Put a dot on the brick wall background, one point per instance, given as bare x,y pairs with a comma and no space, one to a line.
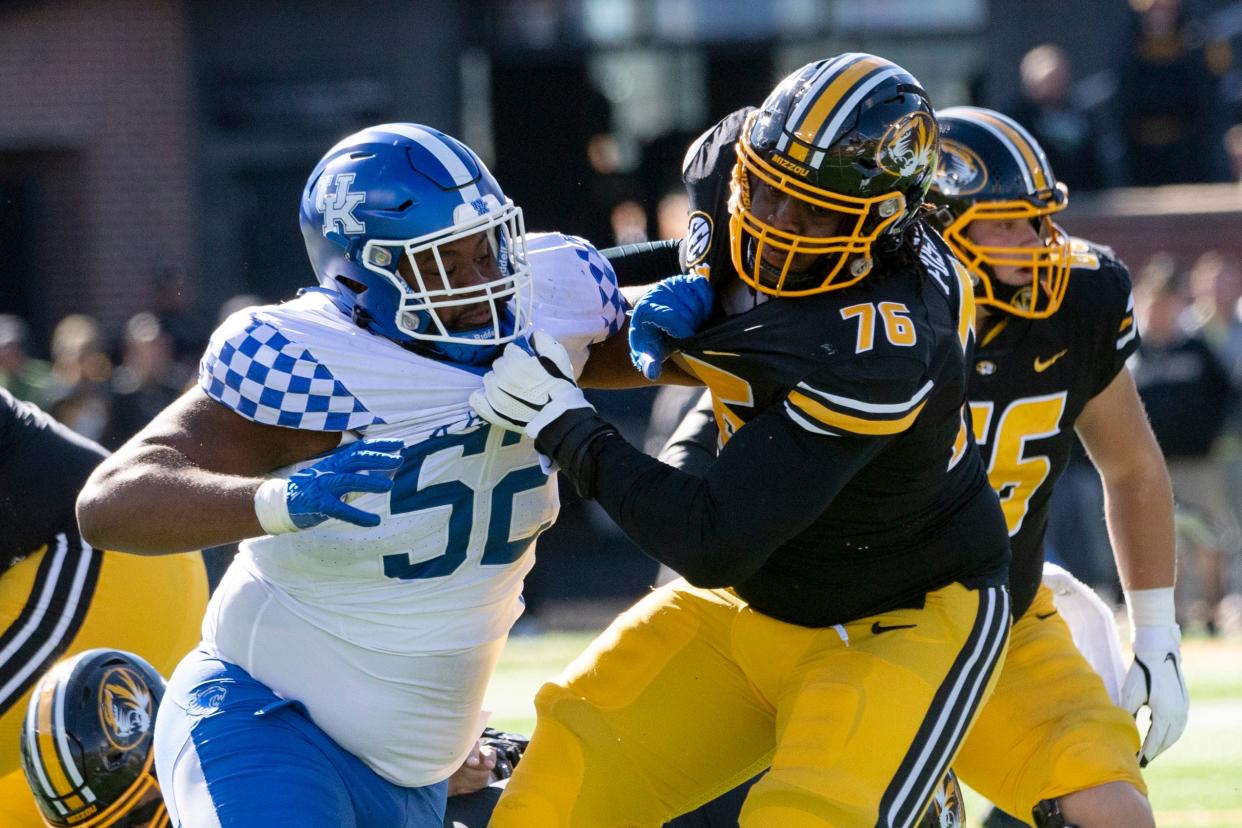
96,115
139,134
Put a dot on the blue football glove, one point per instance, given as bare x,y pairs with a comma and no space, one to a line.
673,309
321,491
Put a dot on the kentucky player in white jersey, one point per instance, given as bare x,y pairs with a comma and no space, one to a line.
346,652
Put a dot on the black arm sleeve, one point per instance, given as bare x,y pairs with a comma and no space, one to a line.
43,465
770,482
644,263
692,446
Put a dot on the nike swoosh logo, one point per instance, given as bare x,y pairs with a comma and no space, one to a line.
877,627
1042,365
1043,615
1173,658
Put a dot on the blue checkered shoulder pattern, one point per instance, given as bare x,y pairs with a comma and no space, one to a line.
611,301
263,376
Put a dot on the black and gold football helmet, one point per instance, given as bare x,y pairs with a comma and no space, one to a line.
854,136
87,743
946,809
991,169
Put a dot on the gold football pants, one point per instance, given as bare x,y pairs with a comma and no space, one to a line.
69,598
691,692
1049,728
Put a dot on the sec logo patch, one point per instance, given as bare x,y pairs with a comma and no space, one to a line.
698,238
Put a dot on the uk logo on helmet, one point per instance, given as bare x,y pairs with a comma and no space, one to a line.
908,145
125,707
338,205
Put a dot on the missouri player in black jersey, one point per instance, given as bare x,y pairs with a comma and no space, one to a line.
58,596
1055,325
843,610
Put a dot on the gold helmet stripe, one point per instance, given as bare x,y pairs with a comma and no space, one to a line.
1021,145
38,743
847,107
55,761
822,75
125,803
806,126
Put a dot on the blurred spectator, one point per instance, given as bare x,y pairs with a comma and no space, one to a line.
23,376
1187,395
81,371
660,175
672,214
1066,130
173,302
613,193
1169,96
235,303
145,382
1233,150
1215,290
629,223
1077,535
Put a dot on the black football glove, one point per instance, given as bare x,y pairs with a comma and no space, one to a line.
509,748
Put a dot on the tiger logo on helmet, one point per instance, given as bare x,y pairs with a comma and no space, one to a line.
87,743
908,146
853,137
946,809
961,172
125,707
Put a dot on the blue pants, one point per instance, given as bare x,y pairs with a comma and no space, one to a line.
229,752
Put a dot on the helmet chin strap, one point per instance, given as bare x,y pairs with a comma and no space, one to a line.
1005,292
464,353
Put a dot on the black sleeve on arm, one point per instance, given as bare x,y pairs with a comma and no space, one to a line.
43,465
770,482
692,446
644,263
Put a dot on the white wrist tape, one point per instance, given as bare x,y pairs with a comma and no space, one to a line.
1150,607
272,508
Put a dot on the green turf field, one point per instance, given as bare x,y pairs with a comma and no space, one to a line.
1196,784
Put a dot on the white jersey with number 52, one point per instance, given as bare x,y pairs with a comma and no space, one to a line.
444,568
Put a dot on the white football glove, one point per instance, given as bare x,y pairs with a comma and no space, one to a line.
524,392
1155,680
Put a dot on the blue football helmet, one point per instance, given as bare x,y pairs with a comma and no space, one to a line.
396,190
